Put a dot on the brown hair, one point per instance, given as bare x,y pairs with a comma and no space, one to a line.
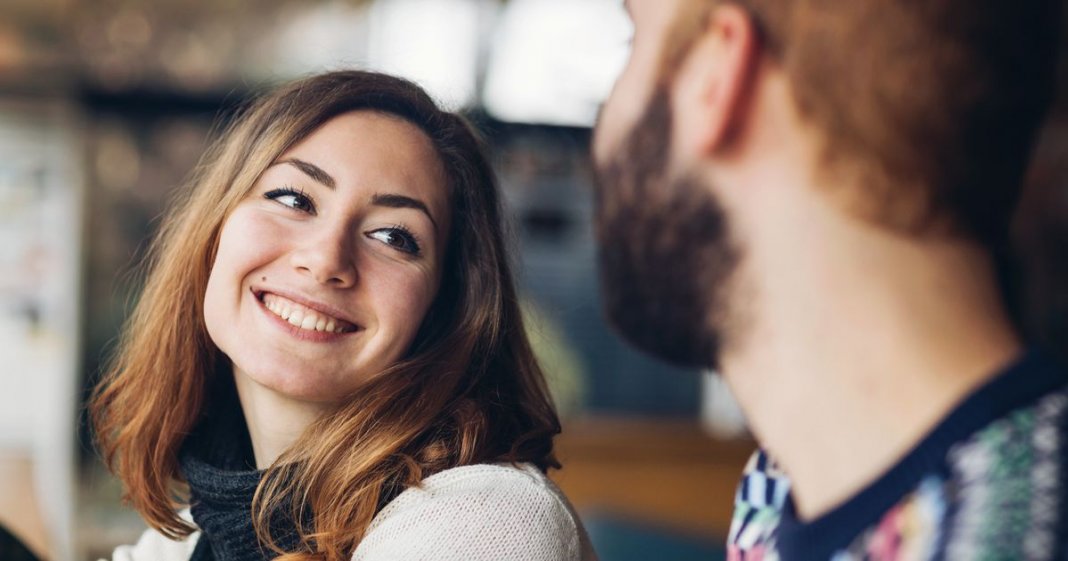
469,390
931,107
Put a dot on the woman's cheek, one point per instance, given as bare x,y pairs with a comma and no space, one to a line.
406,293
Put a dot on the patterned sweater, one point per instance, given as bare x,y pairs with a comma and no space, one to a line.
988,483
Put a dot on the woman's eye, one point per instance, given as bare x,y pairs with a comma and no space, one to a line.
397,238
293,199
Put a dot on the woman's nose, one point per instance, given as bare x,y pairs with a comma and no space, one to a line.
329,259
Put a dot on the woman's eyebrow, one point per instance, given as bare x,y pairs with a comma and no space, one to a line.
394,200
311,170
388,200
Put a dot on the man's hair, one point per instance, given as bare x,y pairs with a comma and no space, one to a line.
930,107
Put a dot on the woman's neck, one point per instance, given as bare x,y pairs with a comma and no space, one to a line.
274,421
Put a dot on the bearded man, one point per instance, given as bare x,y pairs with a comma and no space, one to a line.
807,196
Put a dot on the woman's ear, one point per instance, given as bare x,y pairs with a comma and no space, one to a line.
714,78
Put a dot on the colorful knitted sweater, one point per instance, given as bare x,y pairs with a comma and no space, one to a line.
988,483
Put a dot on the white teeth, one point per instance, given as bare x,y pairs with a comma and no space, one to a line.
300,316
279,309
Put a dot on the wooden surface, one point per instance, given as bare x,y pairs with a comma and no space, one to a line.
666,474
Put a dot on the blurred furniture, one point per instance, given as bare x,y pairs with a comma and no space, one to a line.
20,513
624,540
662,474
40,263
11,549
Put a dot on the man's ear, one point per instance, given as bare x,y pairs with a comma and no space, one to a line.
713,80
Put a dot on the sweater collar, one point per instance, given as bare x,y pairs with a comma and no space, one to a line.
217,463
1032,375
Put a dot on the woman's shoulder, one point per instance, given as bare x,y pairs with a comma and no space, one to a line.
484,511
485,491
489,479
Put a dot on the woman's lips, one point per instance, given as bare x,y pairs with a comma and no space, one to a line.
303,317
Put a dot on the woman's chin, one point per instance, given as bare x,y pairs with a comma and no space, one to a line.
305,386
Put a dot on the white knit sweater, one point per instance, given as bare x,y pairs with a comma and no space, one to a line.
470,513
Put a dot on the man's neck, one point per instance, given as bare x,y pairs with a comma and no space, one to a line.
856,350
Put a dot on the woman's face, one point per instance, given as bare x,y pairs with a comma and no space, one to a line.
326,269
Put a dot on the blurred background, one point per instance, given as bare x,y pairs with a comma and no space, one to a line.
106,106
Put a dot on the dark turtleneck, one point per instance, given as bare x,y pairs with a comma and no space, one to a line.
219,466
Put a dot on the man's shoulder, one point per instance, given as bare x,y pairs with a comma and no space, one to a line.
1002,495
991,480
1007,489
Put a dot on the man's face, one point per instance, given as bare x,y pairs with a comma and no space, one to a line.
633,89
665,255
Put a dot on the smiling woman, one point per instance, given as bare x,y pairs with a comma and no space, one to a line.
328,360
313,246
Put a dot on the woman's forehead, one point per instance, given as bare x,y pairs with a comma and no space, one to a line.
360,143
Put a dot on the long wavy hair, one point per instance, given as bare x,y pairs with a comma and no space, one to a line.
468,391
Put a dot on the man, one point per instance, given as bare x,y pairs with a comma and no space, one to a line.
806,195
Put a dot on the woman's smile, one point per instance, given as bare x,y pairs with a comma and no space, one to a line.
304,318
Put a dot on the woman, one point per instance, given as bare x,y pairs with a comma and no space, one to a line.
328,352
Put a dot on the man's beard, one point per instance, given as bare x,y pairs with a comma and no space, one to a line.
664,251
